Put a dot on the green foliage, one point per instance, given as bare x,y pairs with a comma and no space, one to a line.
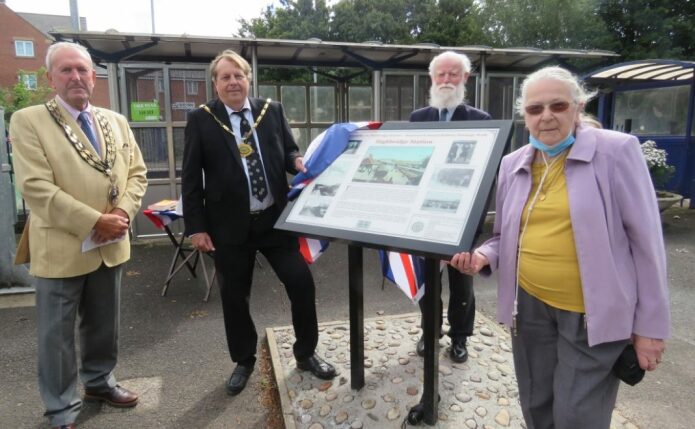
544,24
300,20
635,29
643,29
18,96
659,169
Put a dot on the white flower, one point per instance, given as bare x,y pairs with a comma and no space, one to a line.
654,156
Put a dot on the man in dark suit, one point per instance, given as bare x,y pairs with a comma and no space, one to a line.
449,72
234,186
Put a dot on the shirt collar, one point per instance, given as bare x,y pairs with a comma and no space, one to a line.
74,112
247,105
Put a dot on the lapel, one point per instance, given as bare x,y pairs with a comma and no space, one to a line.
432,114
256,107
220,112
460,113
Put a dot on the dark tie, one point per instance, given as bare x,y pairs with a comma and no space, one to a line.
442,115
84,124
253,161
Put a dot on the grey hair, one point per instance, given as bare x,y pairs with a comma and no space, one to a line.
232,56
580,94
54,48
451,55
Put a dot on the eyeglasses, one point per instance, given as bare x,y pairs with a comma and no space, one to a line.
555,107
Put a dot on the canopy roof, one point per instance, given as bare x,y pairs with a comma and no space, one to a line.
113,47
644,71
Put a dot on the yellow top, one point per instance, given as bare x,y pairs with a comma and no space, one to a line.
548,267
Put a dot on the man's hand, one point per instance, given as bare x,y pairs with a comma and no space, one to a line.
469,263
299,164
110,226
121,213
201,241
649,351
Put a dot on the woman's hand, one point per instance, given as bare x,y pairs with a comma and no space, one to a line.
299,164
469,263
649,351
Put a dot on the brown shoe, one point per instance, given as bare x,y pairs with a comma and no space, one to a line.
116,397
70,426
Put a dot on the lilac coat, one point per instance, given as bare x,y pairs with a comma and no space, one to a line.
617,231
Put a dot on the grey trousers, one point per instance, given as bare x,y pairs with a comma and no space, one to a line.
563,383
95,297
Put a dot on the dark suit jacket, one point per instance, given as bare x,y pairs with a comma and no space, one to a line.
219,203
463,112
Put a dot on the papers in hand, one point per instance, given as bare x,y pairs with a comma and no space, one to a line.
89,243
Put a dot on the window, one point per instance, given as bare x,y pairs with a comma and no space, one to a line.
192,87
29,80
24,48
652,111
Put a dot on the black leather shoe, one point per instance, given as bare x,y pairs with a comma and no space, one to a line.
458,352
319,367
237,381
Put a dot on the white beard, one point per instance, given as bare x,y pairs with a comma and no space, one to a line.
447,95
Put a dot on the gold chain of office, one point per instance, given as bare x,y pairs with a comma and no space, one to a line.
103,166
244,148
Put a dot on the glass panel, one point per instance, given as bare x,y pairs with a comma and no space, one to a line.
501,97
187,92
145,101
422,98
268,91
519,136
178,149
360,103
407,104
398,98
301,137
471,88
657,111
24,48
153,145
322,103
315,132
294,101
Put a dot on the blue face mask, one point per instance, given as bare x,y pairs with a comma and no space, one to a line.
552,150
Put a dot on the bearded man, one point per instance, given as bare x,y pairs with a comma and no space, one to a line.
449,72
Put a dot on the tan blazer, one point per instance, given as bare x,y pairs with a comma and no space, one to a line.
66,196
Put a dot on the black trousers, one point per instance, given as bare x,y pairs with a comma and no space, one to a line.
461,310
235,265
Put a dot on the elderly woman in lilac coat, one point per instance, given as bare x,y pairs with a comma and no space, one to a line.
580,258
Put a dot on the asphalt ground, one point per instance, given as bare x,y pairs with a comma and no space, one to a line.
173,351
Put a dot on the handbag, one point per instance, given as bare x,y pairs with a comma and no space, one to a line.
627,368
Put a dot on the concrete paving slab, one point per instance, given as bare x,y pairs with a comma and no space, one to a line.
480,393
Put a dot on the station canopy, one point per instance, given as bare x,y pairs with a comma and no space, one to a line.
644,71
115,47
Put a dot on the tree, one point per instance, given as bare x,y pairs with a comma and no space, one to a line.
19,96
386,21
543,24
644,29
296,19
449,22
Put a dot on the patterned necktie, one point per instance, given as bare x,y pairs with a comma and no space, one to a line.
443,114
253,162
84,124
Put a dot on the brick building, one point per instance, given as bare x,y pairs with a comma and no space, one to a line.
24,40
